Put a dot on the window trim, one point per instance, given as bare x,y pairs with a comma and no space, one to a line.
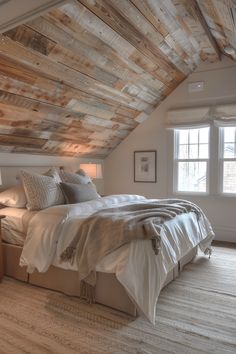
176,161
221,164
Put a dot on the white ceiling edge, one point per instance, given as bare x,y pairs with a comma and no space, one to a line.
16,12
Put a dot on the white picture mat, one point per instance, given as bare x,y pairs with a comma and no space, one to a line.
145,166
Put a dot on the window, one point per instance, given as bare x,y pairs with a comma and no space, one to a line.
228,159
191,160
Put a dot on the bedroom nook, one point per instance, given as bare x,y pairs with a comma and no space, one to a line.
117,176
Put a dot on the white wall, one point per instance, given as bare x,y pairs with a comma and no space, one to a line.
69,163
220,87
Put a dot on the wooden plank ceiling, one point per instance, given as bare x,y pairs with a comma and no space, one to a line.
78,80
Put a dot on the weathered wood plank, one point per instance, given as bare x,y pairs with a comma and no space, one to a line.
78,80
167,14
109,38
82,65
95,50
80,131
46,90
7,67
119,24
54,70
125,120
56,96
39,62
68,149
18,117
139,21
76,109
30,104
92,50
21,141
143,7
31,39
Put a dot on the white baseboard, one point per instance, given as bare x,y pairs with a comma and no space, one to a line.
224,233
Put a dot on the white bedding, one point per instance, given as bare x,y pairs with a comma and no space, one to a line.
13,226
142,273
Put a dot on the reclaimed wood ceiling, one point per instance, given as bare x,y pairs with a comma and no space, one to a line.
78,80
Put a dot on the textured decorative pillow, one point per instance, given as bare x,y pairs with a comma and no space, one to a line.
55,173
77,193
14,197
41,191
75,178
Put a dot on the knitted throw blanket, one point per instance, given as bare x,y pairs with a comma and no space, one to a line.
109,229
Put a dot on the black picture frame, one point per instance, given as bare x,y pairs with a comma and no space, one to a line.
145,166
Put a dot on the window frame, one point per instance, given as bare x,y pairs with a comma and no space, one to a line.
222,159
176,160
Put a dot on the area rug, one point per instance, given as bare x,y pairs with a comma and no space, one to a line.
195,314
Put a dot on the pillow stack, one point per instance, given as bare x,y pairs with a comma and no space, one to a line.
54,187
32,192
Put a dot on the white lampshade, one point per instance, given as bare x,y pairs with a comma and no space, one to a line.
93,170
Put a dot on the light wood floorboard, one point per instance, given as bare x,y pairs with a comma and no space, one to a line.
195,314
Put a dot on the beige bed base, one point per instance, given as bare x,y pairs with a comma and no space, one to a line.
109,291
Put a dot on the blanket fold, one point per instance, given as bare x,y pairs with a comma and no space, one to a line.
111,228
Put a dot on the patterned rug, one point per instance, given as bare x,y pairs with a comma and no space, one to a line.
195,314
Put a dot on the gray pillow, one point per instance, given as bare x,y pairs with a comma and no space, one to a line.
77,193
41,191
55,173
69,177
86,177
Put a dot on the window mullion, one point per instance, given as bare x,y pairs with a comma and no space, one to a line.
198,143
227,165
235,142
188,143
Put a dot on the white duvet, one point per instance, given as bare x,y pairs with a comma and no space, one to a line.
138,269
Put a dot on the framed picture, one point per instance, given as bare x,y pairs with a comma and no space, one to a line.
145,166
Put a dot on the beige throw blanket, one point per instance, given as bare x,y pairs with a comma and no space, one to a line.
109,229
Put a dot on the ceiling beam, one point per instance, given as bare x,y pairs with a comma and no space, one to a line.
196,11
12,14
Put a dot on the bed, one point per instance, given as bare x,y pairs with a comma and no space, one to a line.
125,272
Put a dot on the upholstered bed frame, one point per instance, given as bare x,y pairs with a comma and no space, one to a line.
109,291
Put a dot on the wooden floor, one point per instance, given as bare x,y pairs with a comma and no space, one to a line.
195,314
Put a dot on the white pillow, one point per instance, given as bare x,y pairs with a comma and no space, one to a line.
41,191
14,197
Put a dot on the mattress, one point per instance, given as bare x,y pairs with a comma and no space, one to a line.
14,225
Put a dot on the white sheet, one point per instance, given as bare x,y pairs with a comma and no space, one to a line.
13,226
137,268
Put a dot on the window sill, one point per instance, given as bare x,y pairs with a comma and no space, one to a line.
204,194
227,195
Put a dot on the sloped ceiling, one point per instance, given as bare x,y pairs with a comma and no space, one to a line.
78,80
